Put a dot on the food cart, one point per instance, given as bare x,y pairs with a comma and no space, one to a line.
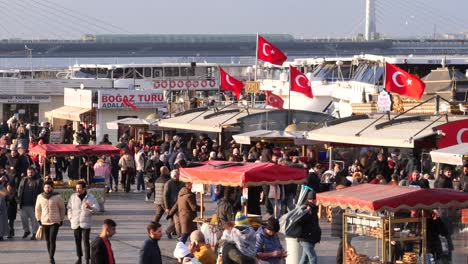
376,205
47,150
239,174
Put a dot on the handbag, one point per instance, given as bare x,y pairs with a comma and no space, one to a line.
39,233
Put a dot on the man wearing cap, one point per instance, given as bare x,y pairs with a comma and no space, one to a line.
12,165
29,188
241,249
268,246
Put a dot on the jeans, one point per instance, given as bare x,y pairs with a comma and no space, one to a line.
27,213
82,235
308,253
114,181
184,238
50,235
140,180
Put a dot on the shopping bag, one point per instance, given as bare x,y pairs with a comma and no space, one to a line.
39,233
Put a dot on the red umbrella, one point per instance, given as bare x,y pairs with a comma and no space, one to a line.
376,197
242,174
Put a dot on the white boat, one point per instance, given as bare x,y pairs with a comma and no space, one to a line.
339,82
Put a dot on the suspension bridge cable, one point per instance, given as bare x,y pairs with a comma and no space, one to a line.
72,13
17,19
50,20
458,22
391,12
65,24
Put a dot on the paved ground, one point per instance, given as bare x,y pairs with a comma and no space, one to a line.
132,214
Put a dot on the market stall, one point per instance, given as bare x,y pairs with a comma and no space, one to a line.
377,205
242,174
47,150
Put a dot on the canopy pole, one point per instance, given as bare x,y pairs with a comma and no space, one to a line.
201,203
45,162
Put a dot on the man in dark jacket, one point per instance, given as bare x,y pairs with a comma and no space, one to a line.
101,249
311,232
170,194
29,188
150,252
380,167
445,180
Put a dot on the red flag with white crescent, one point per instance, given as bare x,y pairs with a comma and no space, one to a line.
228,83
128,104
299,82
269,53
401,82
274,100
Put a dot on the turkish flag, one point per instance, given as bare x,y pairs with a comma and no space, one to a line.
268,52
227,83
128,104
273,100
400,82
299,82
453,133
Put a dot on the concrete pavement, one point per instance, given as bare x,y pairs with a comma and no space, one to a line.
132,215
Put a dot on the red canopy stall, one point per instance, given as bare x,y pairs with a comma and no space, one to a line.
46,150
54,149
376,199
242,174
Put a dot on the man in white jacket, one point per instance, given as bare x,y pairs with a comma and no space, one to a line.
81,206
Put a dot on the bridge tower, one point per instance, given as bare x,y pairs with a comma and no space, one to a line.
371,32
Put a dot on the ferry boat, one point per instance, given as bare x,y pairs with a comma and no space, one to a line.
341,85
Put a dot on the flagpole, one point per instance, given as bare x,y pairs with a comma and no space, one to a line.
219,85
256,58
289,96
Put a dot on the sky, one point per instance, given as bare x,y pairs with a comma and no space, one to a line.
301,18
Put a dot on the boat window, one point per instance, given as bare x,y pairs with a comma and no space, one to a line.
118,73
147,72
25,75
86,73
187,71
139,73
158,72
103,73
209,73
171,72
128,73
360,71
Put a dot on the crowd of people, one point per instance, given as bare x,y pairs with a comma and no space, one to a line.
153,168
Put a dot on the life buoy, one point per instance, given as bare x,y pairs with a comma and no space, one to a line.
172,84
203,84
180,84
195,84
212,83
156,84
164,84
188,84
